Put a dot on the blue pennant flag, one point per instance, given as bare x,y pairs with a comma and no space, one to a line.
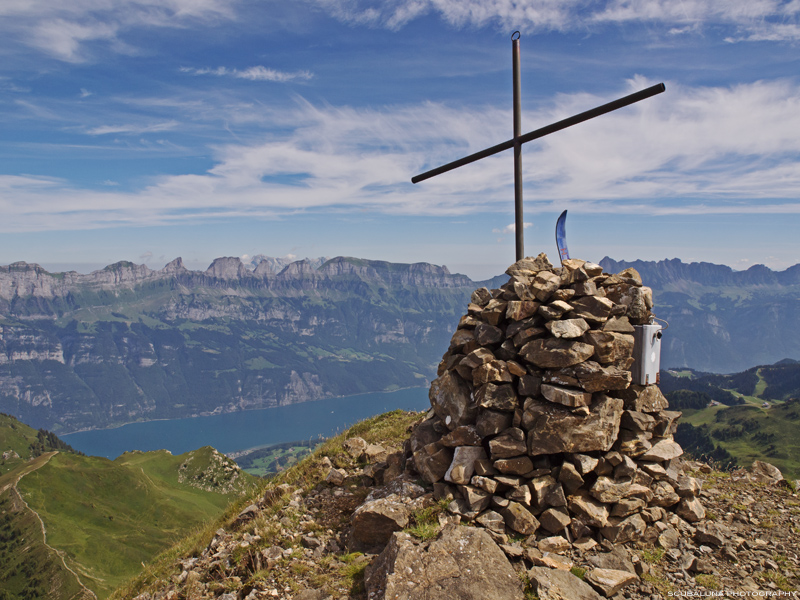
561,237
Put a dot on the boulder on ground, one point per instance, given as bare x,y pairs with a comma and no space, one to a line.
556,584
463,563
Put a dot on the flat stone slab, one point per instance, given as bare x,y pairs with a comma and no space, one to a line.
556,584
463,563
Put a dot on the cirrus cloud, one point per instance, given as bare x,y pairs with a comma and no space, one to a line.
710,150
257,73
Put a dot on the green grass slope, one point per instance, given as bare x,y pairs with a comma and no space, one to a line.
19,443
111,517
750,432
28,568
263,462
389,429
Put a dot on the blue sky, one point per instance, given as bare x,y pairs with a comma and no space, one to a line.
148,129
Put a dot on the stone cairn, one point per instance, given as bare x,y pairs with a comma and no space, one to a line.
535,425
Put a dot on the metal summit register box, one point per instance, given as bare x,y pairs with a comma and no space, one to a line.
646,353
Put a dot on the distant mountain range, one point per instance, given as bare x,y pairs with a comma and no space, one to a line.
129,343
722,320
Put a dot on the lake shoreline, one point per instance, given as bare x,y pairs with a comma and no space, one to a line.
247,430
231,412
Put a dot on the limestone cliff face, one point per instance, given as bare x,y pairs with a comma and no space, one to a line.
129,343
23,281
722,320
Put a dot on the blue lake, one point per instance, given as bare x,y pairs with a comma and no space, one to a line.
247,429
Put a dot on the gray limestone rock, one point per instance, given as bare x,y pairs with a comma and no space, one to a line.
688,486
555,520
666,422
477,499
629,529
496,397
481,296
764,472
643,398
555,310
609,346
712,533
556,584
463,563
519,465
552,353
493,521
374,522
508,444
553,545
570,478
664,495
529,266
566,396
593,377
567,328
691,510
485,483
543,284
520,519
584,464
336,476
590,510
608,491
466,435
521,309
477,357
492,314
492,422
495,371
592,308
627,506
663,451
637,421
553,429
618,325
433,461
451,400
609,581
617,559
355,446
486,334
462,466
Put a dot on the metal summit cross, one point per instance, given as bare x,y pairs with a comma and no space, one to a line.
519,139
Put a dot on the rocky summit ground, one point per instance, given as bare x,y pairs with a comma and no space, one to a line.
354,521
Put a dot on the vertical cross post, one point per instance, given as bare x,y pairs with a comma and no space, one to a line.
518,226
520,138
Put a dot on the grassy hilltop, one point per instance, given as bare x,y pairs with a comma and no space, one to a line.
103,519
738,418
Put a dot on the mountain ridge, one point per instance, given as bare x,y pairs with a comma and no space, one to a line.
127,343
659,273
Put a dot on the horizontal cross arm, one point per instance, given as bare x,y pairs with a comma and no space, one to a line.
548,129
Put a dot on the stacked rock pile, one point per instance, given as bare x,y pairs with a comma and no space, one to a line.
536,426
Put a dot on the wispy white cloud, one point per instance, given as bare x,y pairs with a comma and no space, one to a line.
69,31
135,129
729,150
773,20
63,29
257,73
511,229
